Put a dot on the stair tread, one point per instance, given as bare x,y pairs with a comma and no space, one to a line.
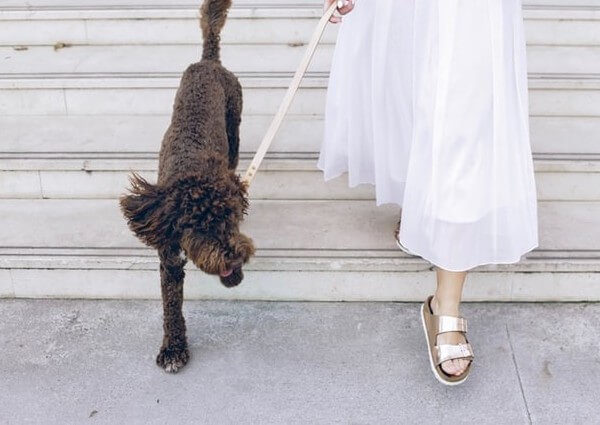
289,260
90,134
274,161
254,80
302,224
547,98
132,60
81,247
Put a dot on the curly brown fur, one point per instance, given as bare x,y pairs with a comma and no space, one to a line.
214,15
197,204
173,354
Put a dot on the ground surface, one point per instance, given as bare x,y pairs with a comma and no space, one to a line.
78,362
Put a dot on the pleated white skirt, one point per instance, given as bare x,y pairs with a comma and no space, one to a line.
428,101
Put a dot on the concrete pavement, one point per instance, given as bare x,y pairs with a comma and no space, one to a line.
80,362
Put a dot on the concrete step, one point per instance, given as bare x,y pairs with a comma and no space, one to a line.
95,48
249,23
67,38
86,96
549,96
131,115
322,275
129,134
308,224
82,248
143,59
288,176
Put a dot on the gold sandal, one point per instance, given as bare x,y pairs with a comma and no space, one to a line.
434,325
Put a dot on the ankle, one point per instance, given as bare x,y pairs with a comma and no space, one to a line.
445,307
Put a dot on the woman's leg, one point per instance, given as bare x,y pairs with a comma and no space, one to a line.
446,301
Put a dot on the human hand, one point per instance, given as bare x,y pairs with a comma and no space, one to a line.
344,7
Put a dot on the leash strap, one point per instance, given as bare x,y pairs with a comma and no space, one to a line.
289,96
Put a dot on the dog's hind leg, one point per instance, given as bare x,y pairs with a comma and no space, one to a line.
234,118
174,352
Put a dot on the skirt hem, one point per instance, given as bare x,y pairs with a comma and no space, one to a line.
352,185
515,260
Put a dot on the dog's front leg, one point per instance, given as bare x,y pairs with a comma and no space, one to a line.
174,353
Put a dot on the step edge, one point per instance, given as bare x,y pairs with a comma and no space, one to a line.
305,286
584,261
258,80
274,162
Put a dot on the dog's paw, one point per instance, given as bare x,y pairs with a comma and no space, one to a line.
171,359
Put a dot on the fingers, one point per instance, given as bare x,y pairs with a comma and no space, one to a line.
343,7
335,19
347,6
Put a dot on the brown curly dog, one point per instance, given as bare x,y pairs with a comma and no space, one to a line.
194,210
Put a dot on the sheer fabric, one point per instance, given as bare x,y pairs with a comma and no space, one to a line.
428,101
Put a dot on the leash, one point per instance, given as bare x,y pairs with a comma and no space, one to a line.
289,96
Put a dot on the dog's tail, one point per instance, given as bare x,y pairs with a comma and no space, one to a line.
212,19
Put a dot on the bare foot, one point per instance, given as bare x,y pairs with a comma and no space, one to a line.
454,367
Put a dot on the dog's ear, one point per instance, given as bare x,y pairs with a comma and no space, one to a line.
234,196
211,203
205,252
242,247
147,212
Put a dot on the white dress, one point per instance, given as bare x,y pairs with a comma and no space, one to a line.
428,100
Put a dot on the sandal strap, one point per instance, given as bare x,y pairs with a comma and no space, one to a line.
447,352
450,324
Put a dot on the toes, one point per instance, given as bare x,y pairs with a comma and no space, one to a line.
467,363
454,367
461,366
449,367
457,367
